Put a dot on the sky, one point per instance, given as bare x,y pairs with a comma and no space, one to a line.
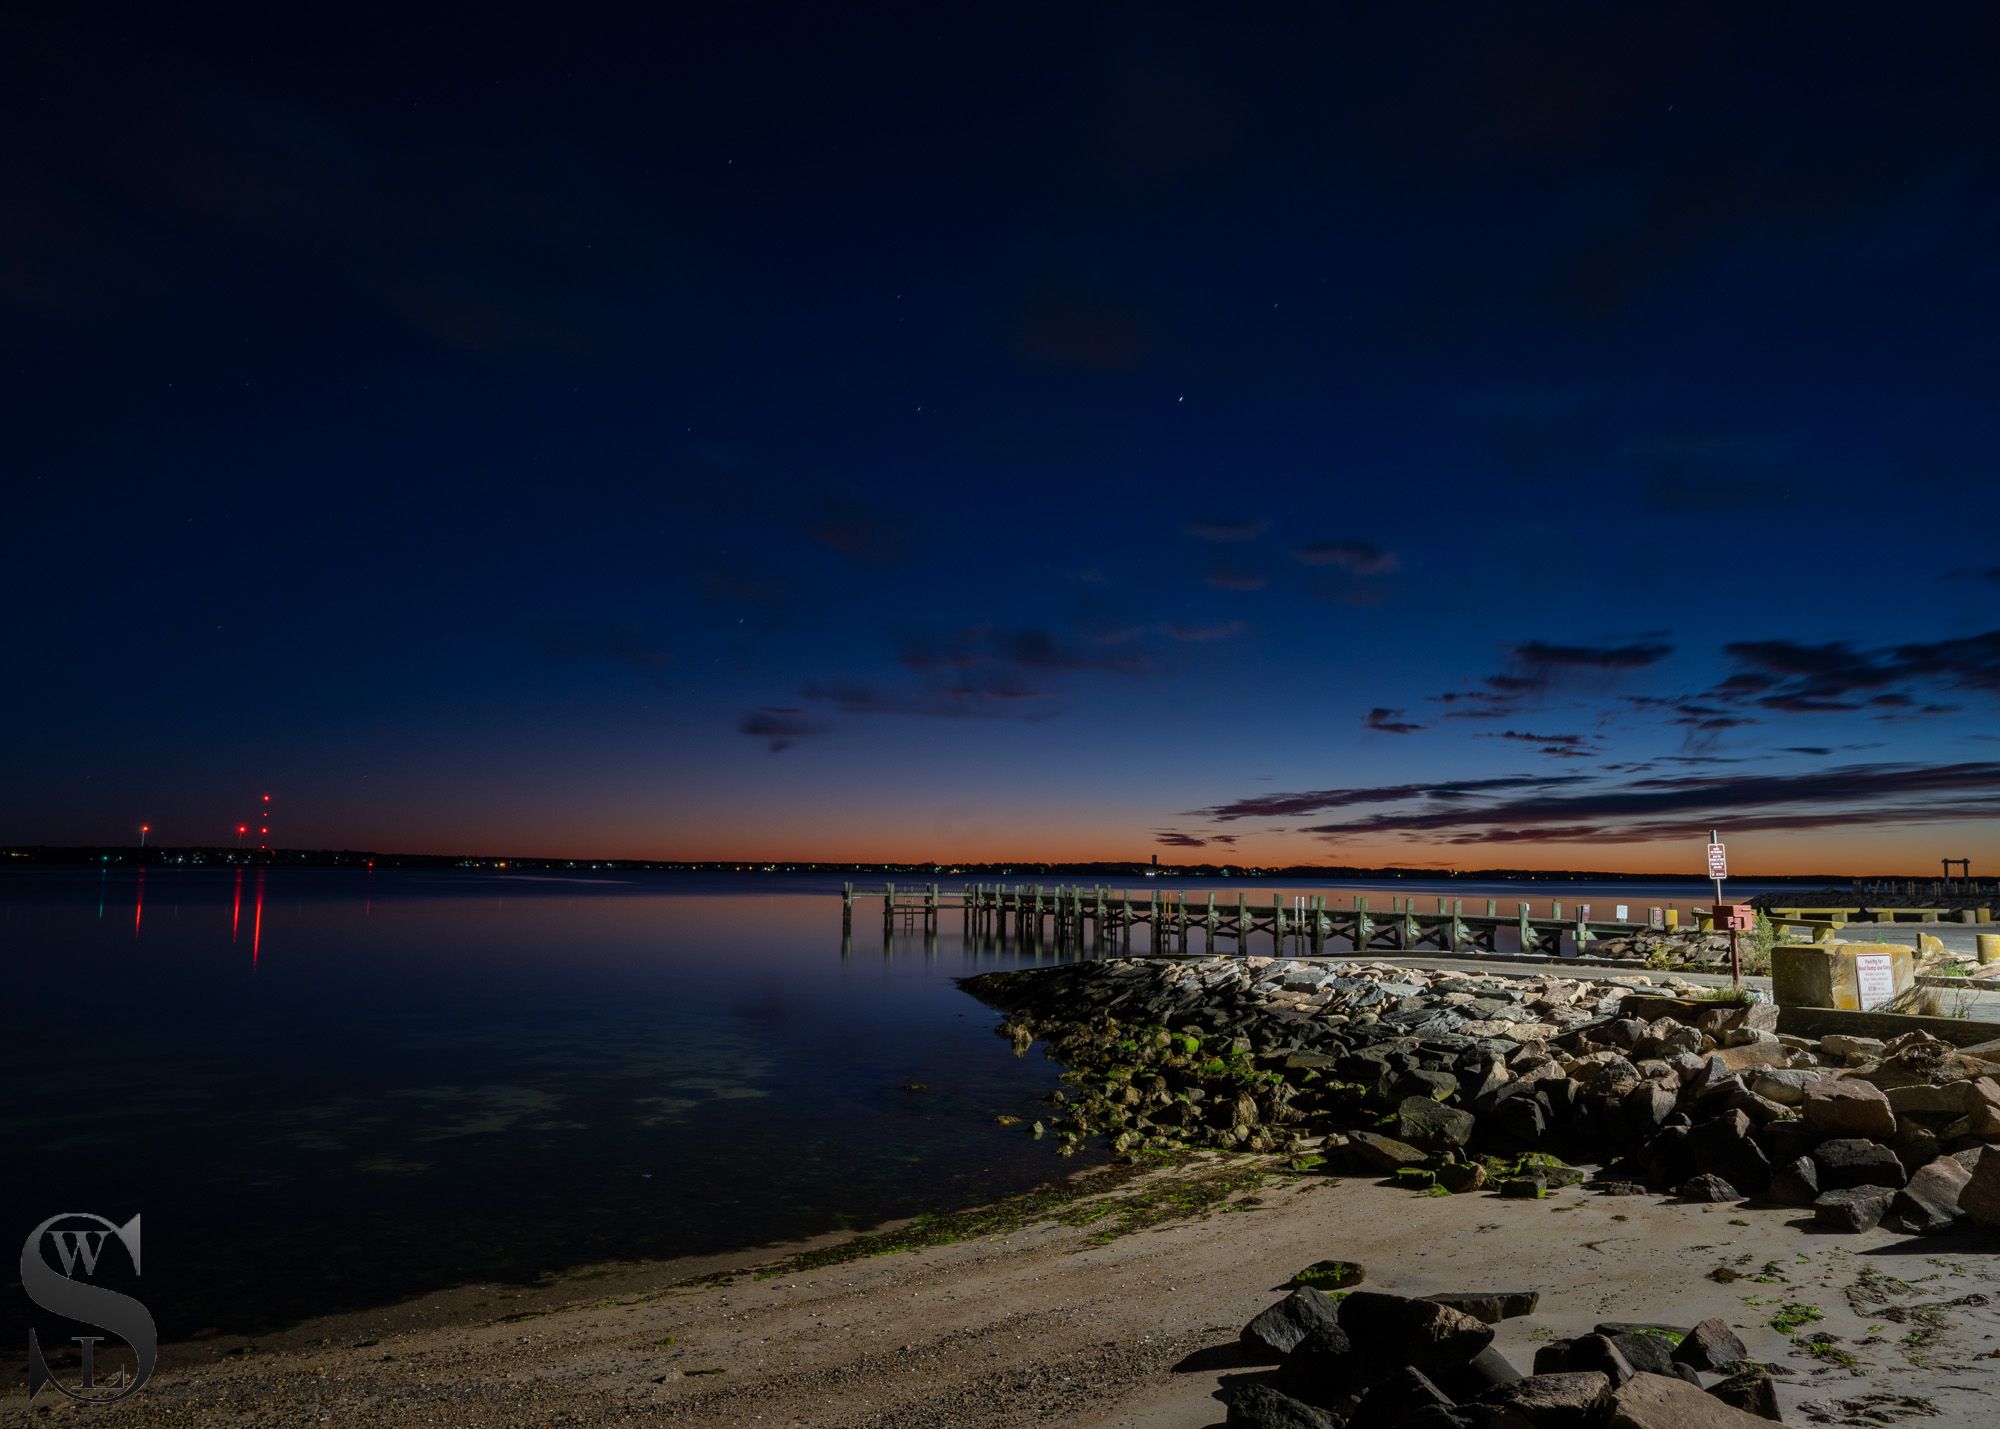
1427,435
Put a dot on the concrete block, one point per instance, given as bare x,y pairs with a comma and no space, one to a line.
1857,977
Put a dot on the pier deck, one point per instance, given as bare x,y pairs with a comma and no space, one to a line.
1176,922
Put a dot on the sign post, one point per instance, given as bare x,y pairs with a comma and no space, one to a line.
1718,870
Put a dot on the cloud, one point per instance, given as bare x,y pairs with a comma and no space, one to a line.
1224,531
1200,632
1389,721
866,532
1562,746
1361,558
1481,704
1794,677
1540,666
1313,801
1988,573
1034,648
955,699
1541,654
1680,806
1225,574
1702,472
1173,838
780,727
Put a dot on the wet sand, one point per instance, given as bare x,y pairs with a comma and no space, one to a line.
1046,1325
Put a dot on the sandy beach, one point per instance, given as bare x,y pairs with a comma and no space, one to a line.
1072,1325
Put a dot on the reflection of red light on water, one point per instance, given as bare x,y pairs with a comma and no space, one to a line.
139,903
257,921
236,911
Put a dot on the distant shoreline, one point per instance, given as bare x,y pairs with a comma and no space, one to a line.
130,855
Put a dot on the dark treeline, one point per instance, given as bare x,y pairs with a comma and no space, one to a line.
201,855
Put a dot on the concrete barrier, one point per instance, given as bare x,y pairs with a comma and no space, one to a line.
1822,1021
1857,977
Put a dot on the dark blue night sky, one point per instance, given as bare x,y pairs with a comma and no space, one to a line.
1444,435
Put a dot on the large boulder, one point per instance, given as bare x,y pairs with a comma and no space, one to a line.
1923,1099
1391,1332
1583,1355
1393,1402
1981,1105
1854,1161
1751,1390
1323,1369
1384,1153
1652,1401
1421,1121
1646,1352
1646,1108
1490,1306
1929,1203
1980,1198
1853,1050
1784,1086
1485,1371
1550,1401
1796,1183
1709,1346
1857,1208
1258,1406
1277,1331
1845,1106
1722,1147
1707,1187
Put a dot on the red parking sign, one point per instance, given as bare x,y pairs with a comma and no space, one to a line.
1718,863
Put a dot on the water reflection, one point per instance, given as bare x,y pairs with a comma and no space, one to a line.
257,922
456,1078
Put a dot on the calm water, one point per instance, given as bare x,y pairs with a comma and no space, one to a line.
330,1088
326,1089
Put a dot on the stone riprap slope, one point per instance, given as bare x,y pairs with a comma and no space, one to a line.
1368,1360
1452,1082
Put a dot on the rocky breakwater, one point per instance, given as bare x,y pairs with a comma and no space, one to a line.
1367,1360
1452,1082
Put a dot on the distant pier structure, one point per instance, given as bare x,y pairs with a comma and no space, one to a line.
1173,921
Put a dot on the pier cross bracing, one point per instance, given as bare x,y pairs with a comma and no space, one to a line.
1175,921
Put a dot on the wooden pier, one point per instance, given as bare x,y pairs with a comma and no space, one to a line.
1173,921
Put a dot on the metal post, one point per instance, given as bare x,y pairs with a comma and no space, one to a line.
1735,958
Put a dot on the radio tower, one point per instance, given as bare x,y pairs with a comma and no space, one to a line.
264,825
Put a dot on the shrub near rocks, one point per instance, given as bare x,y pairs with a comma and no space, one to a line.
1453,1083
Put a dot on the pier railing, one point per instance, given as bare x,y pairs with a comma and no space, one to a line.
1173,921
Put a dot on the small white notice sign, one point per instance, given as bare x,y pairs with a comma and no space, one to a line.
1875,980
1624,913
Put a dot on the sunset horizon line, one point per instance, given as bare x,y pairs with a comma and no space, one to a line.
157,854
